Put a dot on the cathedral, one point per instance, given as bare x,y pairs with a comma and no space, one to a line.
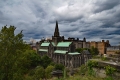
63,51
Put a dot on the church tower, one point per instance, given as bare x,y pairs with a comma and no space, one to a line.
56,33
56,38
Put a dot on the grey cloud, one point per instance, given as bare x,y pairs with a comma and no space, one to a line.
93,19
103,5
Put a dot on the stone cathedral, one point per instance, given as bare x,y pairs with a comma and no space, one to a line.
63,50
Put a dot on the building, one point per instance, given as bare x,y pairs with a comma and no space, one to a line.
63,50
100,45
113,50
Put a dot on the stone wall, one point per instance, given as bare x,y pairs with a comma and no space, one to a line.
100,72
110,51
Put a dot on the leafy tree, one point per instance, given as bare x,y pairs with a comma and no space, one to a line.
48,71
11,54
81,49
94,51
45,61
33,57
59,67
39,73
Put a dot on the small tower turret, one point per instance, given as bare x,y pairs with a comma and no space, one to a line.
84,39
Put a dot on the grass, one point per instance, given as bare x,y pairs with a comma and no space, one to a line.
79,77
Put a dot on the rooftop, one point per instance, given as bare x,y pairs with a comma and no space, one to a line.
63,44
60,51
45,44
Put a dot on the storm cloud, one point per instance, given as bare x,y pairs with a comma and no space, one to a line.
93,19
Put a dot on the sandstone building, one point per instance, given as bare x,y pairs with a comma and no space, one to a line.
101,46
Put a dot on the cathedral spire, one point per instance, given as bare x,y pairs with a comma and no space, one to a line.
56,33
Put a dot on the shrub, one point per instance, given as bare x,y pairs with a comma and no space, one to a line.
103,58
39,73
90,65
48,71
109,70
82,69
59,67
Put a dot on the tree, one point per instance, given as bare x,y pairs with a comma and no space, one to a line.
11,54
45,61
39,73
59,67
48,71
33,58
94,51
81,49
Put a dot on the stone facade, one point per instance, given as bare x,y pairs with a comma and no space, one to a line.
63,50
101,46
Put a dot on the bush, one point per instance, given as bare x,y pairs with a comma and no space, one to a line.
33,58
45,61
90,65
109,70
31,72
94,51
39,73
59,67
82,69
48,71
103,58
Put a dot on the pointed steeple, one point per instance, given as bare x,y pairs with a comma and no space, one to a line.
56,33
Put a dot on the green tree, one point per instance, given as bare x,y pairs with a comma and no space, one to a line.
11,54
45,61
48,71
33,58
81,49
94,51
59,67
39,73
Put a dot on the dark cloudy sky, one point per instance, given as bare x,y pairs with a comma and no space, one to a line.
93,19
